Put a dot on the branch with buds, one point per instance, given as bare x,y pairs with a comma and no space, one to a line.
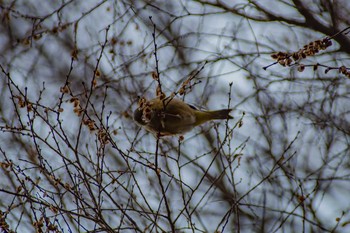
311,49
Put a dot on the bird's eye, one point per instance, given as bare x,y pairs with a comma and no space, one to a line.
193,107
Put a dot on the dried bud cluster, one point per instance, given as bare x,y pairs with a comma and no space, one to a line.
147,113
343,70
74,54
24,103
97,73
102,136
286,59
39,225
142,102
60,28
21,102
159,93
90,123
3,224
184,85
64,89
77,108
155,76
145,106
54,209
6,165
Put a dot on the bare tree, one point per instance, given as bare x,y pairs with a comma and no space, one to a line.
73,159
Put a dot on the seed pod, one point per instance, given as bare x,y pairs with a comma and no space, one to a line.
301,68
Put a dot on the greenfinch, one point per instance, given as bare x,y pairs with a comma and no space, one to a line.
172,116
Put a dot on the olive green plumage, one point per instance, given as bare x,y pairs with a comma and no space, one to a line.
172,116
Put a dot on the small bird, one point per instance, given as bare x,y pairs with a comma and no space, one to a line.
172,116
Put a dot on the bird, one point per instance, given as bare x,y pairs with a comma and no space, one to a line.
172,116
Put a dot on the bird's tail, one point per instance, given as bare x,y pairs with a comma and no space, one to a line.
222,114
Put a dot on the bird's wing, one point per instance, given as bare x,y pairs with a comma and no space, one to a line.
171,116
